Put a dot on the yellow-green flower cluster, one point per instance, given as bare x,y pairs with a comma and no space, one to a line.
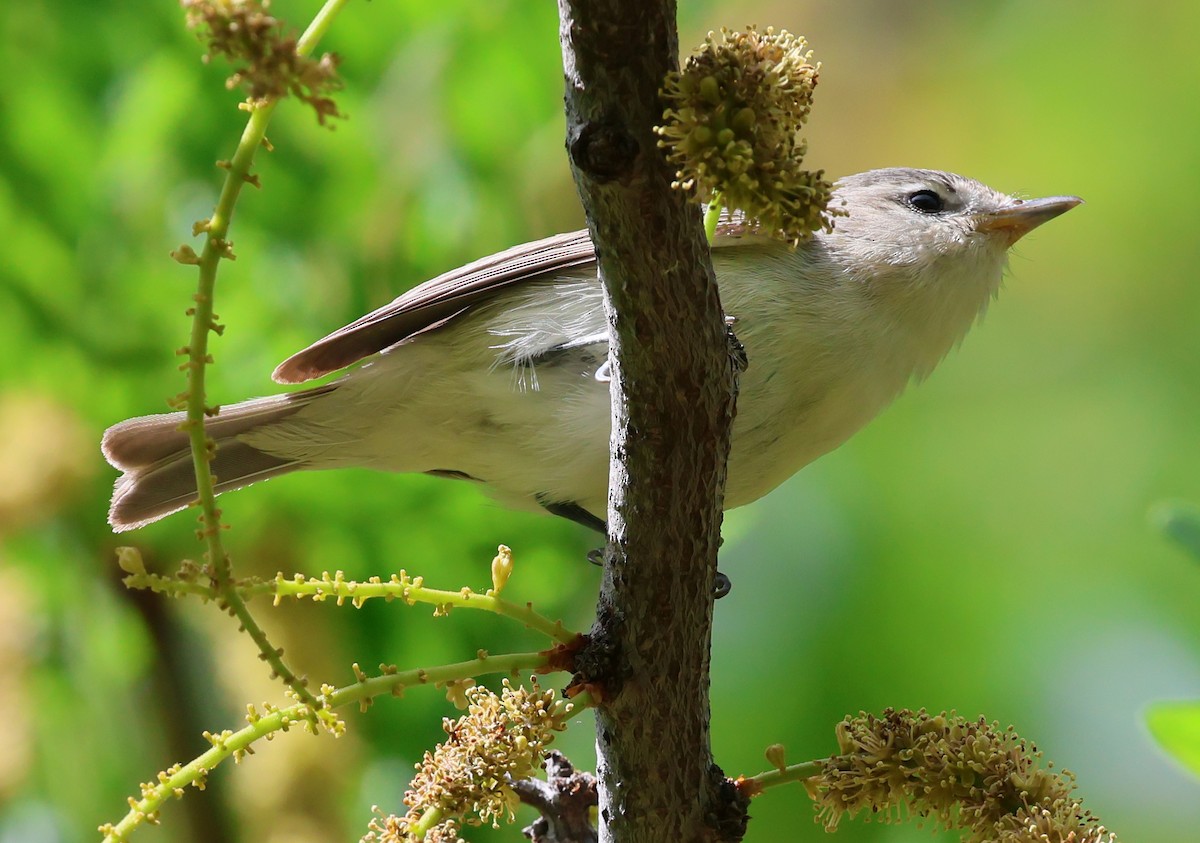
395,829
267,66
962,774
466,779
731,127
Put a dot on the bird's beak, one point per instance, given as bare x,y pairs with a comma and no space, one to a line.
1018,219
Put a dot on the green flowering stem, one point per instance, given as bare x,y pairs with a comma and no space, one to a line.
319,27
428,820
754,785
583,700
237,744
399,587
711,215
216,247
413,591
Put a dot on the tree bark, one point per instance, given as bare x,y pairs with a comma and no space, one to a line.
672,399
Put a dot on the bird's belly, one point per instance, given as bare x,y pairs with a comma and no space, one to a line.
531,446
778,432
528,446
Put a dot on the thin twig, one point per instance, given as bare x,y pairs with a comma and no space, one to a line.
754,785
398,587
216,247
171,782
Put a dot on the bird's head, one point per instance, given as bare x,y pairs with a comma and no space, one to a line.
905,217
930,246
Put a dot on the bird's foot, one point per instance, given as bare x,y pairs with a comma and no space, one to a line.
722,585
737,352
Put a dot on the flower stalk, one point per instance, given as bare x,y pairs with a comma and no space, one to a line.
204,321
236,744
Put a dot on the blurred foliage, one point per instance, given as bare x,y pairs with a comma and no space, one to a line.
1180,522
1176,725
981,547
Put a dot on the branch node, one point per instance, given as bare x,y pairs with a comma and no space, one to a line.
603,150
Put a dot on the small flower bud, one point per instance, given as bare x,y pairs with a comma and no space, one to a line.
130,560
186,255
776,756
502,568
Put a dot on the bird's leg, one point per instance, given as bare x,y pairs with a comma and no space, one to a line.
737,352
722,585
574,512
740,362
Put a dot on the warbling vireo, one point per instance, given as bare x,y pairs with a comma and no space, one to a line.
494,373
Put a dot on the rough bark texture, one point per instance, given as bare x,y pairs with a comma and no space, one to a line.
672,390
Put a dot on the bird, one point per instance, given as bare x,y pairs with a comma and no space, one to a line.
496,373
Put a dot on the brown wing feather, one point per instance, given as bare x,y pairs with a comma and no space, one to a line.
434,303
439,300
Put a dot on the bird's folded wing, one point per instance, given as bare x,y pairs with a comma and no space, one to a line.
441,299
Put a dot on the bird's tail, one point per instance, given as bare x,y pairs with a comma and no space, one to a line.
155,454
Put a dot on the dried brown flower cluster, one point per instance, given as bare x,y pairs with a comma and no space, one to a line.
964,774
265,58
732,125
467,778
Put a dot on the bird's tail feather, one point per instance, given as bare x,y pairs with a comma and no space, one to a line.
156,457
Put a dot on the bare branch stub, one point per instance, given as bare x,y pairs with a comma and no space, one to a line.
565,801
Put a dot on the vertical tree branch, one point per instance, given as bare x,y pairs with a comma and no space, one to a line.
672,398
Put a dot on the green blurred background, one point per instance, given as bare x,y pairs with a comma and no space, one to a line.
983,546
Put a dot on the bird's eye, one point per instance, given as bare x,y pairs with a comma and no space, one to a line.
926,201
